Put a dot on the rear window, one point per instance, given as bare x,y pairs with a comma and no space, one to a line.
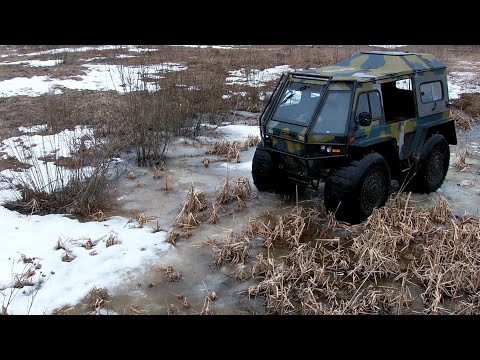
431,91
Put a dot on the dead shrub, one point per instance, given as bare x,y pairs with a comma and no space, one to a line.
82,190
467,104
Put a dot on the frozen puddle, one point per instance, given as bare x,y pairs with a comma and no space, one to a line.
154,294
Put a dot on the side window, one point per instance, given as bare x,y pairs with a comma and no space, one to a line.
431,91
375,105
405,84
398,100
370,102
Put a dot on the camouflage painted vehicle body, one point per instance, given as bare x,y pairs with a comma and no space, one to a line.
401,97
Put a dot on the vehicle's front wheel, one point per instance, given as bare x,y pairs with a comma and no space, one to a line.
354,190
262,169
432,165
266,176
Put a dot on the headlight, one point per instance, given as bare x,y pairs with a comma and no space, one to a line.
322,147
329,149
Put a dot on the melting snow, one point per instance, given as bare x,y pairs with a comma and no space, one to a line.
256,78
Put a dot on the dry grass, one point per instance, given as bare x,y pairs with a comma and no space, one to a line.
111,239
240,191
463,120
242,188
171,275
194,203
131,175
60,245
371,268
98,216
68,257
172,236
143,220
467,107
184,301
225,192
88,245
64,310
231,149
242,272
448,265
206,310
134,310
158,170
213,218
275,288
97,299
460,162
289,229
234,248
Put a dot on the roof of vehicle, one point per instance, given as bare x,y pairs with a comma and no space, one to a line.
370,65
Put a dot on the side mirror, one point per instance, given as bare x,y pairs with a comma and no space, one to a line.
365,118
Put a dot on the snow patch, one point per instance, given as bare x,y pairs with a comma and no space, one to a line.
66,283
34,63
256,78
98,77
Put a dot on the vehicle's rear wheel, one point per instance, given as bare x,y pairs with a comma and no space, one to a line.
432,165
354,190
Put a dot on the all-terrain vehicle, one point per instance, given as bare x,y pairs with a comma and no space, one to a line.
371,118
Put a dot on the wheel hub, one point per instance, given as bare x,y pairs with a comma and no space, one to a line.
435,167
372,190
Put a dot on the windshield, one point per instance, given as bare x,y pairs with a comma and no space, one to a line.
298,103
334,114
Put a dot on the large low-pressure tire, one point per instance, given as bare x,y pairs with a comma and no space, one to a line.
267,178
263,170
432,165
354,190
